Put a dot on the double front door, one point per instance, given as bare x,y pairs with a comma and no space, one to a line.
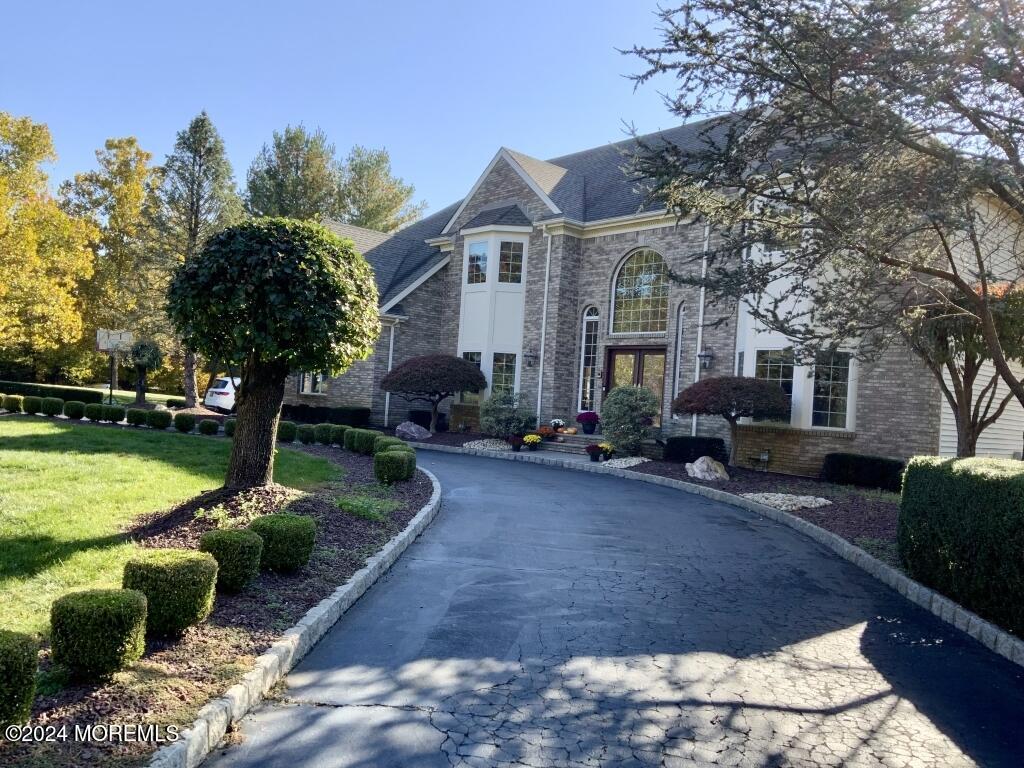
637,366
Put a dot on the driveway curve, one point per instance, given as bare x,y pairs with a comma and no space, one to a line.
555,618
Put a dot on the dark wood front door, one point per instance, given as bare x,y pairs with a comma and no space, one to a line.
637,366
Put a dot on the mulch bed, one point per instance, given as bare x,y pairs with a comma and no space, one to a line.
457,439
174,679
855,513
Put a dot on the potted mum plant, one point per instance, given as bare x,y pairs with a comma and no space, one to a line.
588,420
558,424
607,450
594,451
532,442
516,442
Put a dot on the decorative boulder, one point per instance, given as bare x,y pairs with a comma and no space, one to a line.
706,468
407,430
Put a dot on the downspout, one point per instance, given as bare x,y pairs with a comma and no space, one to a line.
543,324
700,317
391,358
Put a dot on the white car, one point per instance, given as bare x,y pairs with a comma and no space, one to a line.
221,394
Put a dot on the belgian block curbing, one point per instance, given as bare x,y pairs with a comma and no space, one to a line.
214,719
992,637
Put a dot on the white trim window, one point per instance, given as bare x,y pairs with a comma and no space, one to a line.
510,261
476,262
776,366
640,294
588,359
831,396
503,372
312,383
471,398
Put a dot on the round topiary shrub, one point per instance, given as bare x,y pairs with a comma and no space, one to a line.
184,422
19,660
209,427
322,433
287,541
13,403
158,419
229,427
338,434
74,409
97,632
393,466
384,442
94,412
237,552
32,404
286,431
179,585
52,406
113,413
306,433
136,417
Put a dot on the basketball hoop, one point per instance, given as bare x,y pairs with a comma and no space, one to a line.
113,343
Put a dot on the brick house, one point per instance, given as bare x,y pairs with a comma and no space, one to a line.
552,276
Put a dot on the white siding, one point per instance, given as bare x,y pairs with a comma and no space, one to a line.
1004,438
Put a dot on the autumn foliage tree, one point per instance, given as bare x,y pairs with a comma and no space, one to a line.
732,398
273,296
433,379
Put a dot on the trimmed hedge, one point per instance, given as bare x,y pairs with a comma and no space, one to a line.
158,419
113,413
184,422
237,552
13,403
864,471
209,427
32,404
175,403
74,409
229,427
97,632
53,406
361,440
317,414
392,466
384,442
136,417
338,434
94,411
306,434
689,449
19,660
178,584
287,541
80,394
961,532
322,433
286,431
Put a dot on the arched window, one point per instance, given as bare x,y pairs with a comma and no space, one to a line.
588,359
640,296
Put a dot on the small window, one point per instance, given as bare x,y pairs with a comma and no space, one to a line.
475,358
510,263
776,365
312,383
476,270
831,389
503,373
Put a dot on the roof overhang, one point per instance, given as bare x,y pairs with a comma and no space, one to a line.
496,228
429,273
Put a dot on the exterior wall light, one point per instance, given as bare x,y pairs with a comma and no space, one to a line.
706,358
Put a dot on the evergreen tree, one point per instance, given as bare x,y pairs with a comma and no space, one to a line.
371,196
296,176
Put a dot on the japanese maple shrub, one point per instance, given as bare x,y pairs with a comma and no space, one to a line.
433,379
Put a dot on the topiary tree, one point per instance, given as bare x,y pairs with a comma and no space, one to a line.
273,296
626,417
145,356
433,379
732,398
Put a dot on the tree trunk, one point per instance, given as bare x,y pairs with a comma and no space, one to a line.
433,416
189,382
732,442
140,385
259,410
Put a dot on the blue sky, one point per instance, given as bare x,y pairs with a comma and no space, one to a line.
440,84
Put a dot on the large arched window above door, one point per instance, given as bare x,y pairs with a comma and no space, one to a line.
640,294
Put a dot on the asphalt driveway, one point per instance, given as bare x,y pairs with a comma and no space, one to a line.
555,618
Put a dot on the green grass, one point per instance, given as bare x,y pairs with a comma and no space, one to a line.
127,396
66,492
367,506
886,551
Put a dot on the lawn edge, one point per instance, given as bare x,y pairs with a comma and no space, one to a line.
214,719
985,632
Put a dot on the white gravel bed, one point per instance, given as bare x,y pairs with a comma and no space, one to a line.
787,502
490,444
625,462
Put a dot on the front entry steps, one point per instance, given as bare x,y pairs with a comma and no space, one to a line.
571,443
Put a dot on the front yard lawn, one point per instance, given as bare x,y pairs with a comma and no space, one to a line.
67,492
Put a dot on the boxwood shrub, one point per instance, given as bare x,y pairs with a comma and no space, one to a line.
52,406
286,431
175,403
97,632
237,552
184,422
864,471
209,427
74,409
322,433
229,427
306,433
392,466
287,541
113,413
338,434
383,442
19,660
361,440
81,394
687,450
961,532
314,414
13,403
32,404
136,417
158,419
178,584
94,411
